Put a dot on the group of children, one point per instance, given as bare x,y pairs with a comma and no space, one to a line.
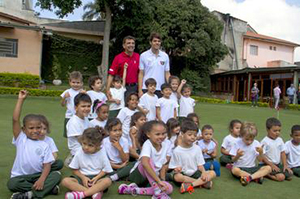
147,141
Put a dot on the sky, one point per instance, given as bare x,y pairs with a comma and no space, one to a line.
275,18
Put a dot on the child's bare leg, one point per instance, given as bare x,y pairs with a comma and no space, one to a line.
199,181
277,177
101,185
182,178
263,171
239,173
72,184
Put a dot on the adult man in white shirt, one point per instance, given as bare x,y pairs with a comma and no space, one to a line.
154,63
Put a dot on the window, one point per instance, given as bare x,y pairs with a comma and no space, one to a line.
253,50
271,47
8,47
274,48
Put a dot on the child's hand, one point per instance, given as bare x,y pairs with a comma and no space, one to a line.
204,151
125,65
116,143
117,101
205,176
82,91
93,181
177,169
183,81
23,94
67,95
123,164
288,169
146,111
86,182
260,149
239,153
39,184
162,185
275,168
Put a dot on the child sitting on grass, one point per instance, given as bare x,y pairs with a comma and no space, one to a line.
292,150
31,176
245,151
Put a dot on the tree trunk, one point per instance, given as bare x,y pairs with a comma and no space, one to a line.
102,69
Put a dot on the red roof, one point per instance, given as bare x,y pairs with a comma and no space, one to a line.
252,35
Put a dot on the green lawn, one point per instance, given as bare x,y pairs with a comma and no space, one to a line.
218,115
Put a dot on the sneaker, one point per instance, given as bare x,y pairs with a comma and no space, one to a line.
245,180
161,195
74,195
186,187
127,189
259,180
97,195
208,185
55,190
229,166
19,195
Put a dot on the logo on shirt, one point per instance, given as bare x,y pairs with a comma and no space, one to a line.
162,62
134,62
38,151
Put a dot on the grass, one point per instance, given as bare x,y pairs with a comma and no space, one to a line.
218,115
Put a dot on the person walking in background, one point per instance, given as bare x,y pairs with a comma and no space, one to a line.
291,91
277,93
254,95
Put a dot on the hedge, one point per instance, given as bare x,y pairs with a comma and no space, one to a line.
32,92
19,80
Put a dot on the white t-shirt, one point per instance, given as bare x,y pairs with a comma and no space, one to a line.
70,101
94,96
30,156
187,158
148,102
174,97
250,153
186,106
125,118
209,146
113,153
293,154
167,108
273,149
75,128
228,142
91,164
51,144
154,67
117,94
95,122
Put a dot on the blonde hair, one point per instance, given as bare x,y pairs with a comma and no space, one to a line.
248,129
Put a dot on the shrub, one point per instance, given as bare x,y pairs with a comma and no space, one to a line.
19,80
195,80
293,106
32,92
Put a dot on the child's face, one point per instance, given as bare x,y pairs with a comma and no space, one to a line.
248,140
157,135
103,113
176,130
151,88
174,84
88,147
115,133
296,137
207,135
76,84
141,121
167,92
32,129
83,109
43,132
189,137
117,84
187,92
196,121
274,132
133,102
97,85
235,131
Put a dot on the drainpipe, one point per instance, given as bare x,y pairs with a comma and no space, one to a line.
234,44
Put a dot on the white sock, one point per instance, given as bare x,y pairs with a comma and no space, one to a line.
114,177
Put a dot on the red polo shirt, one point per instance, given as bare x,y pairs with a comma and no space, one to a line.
117,66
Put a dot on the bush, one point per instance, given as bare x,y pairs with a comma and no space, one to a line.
19,80
32,92
199,84
293,106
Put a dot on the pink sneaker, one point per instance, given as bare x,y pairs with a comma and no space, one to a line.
161,195
74,195
127,189
97,195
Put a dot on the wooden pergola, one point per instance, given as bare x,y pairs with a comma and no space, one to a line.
239,82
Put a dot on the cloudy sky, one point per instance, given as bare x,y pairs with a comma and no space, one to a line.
276,18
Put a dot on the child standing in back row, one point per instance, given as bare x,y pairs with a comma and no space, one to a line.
186,103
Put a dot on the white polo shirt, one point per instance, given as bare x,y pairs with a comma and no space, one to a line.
154,67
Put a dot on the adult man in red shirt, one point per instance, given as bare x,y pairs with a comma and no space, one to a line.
131,59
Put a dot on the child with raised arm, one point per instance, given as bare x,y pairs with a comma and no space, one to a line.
165,107
245,151
228,142
116,95
274,151
151,167
148,100
89,166
292,150
187,161
186,103
209,149
67,97
95,84
31,176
